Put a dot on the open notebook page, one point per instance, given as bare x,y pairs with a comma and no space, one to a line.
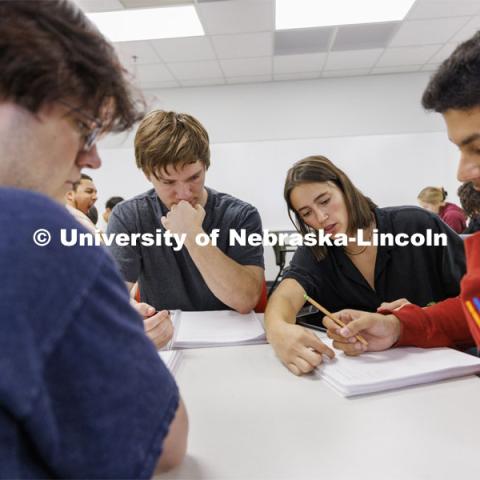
395,368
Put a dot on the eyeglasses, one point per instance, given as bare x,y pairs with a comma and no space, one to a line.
89,127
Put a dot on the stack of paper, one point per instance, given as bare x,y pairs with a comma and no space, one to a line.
171,358
216,329
395,368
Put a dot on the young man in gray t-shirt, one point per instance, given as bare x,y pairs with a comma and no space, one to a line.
172,149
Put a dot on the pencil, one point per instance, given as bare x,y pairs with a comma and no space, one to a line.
473,312
330,315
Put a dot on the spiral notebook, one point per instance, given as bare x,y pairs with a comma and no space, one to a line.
394,368
216,329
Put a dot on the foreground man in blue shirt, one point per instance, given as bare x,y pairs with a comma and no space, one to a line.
83,392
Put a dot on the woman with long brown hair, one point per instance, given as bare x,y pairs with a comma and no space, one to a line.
322,199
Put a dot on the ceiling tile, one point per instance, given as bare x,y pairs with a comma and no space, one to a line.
246,45
247,66
427,32
443,53
142,50
309,62
159,84
430,67
352,59
154,3
305,40
367,35
249,79
99,5
467,31
346,73
407,55
443,8
195,70
296,76
202,82
152,73
237,16
188,49
396,69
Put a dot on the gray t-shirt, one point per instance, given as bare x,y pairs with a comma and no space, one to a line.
169,279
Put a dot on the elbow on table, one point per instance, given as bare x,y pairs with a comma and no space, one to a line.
248,303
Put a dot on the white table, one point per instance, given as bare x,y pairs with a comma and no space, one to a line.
252,419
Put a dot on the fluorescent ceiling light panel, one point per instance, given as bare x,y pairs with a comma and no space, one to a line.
322,13
148,24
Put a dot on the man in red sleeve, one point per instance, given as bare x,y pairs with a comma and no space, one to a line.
454,92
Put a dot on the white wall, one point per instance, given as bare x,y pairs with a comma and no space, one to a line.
373,127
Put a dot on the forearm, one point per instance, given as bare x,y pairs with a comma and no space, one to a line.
278,313
235,285
283,305
441,325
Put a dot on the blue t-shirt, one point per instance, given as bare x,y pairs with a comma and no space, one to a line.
83,392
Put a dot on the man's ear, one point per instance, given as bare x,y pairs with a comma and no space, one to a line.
70,196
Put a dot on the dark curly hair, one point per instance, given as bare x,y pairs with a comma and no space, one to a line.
469,199
456,83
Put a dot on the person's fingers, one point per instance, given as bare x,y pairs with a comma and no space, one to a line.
345,316
336,335
311,356
303,365
144,309
294,369
163,220
390,306
163,314
351,349
314,342
329,324
151,323
363,322
161,318
161,335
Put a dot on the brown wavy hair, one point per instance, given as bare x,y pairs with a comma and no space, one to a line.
319,169
50,51
170,138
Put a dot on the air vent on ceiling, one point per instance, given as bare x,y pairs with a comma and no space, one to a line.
364,36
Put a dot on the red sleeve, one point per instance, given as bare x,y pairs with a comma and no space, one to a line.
448,323
470,285
441,325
